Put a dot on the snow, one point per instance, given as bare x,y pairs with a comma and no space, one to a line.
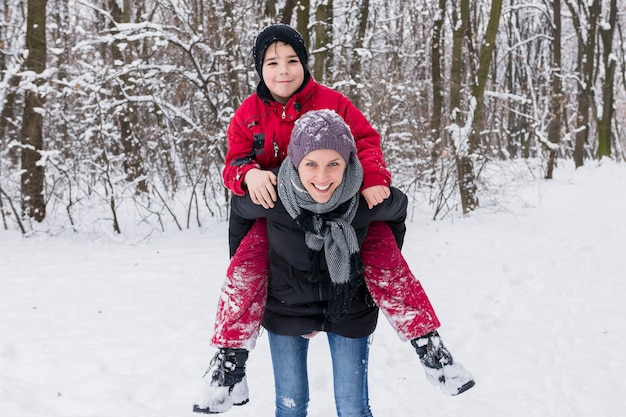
530,293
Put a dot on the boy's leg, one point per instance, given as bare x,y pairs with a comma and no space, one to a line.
242,302
224,384
441,370
238,320
404,302
393,286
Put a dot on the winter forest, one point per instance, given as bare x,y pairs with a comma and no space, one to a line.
115,112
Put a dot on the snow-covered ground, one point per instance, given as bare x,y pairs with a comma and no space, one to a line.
531,293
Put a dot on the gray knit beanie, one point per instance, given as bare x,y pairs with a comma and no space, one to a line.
320,129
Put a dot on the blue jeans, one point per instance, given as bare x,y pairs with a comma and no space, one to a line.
349,356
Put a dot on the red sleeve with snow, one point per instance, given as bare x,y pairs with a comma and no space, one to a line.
368,145
239,157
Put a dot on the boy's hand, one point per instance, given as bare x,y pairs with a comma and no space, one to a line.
261,187
375,195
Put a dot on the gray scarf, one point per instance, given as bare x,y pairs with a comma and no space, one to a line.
328,226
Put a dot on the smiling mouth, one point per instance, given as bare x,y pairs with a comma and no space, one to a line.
322,187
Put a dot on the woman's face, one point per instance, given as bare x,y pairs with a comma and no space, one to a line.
321,172
283,72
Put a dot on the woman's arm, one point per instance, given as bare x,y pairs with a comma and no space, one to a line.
243,208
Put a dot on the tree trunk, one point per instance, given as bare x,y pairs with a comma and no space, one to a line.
33,175
304,20
322,67
585,95
609,63
556,95
514,121
456,79
8,129
127,115
486,56
456,66
269,10
438,143
355,62
466,175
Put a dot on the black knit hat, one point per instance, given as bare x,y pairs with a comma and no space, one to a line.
320,129
278,32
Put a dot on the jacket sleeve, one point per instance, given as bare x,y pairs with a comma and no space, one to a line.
244,212
239,155
392,211
242,208
368,147
238,228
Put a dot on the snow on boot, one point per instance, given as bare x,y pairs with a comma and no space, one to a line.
440,368
224,383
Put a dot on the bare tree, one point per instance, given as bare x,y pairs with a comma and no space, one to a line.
585,17
355,70
33,175
466,134
609,63
323,65
460,21
122,52
303,20
9,127
556,95
437,77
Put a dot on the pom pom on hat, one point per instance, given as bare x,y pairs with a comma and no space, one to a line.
278,32
320,129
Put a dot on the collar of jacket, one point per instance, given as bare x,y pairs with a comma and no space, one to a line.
264,93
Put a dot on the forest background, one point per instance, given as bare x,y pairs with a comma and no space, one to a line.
114,112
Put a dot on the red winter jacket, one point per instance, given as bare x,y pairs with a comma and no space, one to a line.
260,130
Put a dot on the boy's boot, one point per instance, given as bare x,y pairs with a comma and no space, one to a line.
225,382
441,369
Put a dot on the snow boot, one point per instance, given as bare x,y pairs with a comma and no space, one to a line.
224,383
440,368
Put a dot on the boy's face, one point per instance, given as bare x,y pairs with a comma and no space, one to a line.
321,172
283,72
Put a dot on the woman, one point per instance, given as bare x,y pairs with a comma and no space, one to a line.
315,281
258,138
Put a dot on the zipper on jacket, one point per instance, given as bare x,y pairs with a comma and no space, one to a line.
276,149
284,111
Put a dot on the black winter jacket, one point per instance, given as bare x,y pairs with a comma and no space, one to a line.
296,306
